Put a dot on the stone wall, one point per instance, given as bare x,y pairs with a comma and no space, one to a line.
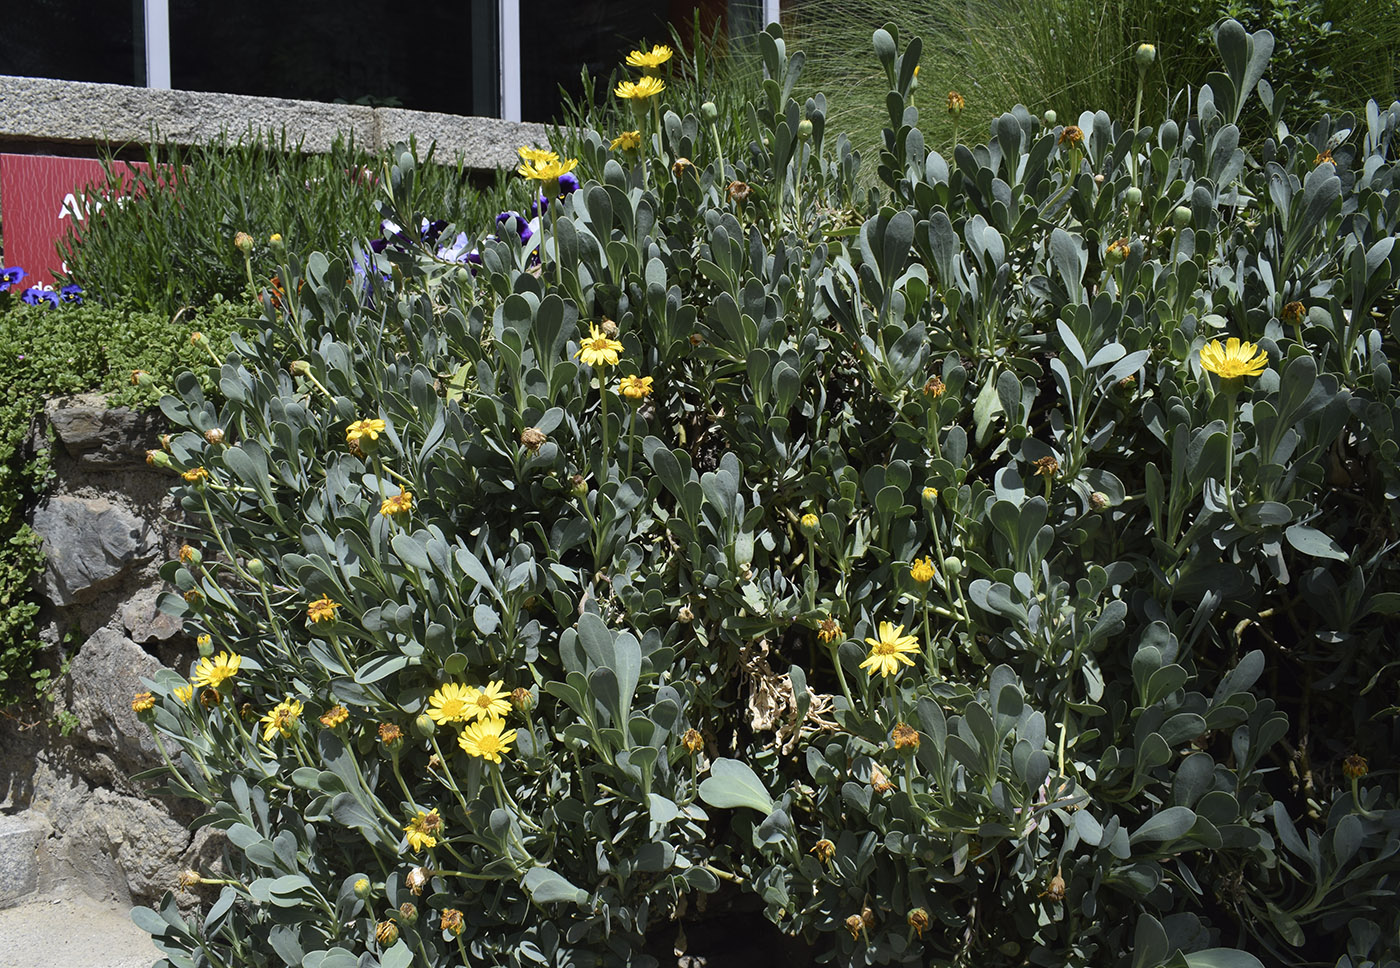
71,814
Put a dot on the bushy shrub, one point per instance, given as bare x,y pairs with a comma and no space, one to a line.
167,242
69,348
925,564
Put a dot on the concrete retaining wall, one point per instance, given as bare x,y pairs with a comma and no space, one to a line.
37,113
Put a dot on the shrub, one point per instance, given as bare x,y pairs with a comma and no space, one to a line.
168,243
923,564
47,350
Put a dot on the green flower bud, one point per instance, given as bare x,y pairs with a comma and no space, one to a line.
1099,500
255,567
205,644
953,566
243,242
1181,216
424,726
709,112
1145,55
362,888
1050,117
408,912
578,486
1133,196
804,129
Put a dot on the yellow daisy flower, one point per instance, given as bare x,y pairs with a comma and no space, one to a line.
627,141
282,719
184,693
921,570
536,156
635,387
322,610
216,671
453,703
423,829
599,349
196,474
487,739
400,503
365,428
640,90
490,702
334,716
143,702
890,650
1233,359
658,55
547,171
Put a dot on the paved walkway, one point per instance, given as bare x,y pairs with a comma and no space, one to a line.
72,932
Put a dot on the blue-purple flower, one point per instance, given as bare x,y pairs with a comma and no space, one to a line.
11,276
568,184
72,294
514,222
34,296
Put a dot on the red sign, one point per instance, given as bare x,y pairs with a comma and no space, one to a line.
42,196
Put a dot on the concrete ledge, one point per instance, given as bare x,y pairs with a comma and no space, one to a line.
40,110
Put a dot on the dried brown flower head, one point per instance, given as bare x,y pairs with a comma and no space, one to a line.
905,736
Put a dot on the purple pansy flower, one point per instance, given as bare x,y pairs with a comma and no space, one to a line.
11,276
34,296
72,293
514,222
568,184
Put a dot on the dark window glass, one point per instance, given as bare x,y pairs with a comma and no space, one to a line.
426,55
562,38
74,40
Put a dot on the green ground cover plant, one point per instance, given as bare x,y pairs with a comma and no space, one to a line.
166,244
993,568
69,348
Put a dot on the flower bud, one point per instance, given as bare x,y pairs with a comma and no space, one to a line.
243,242
824,849
214,435
362,888
930,496
1133,197
255,567
953,566
1050,117
532,439
578,486
1145,55
453,922
408,912
522,699
956,103
1099,500
386,933
275,240
693,741
205,644
918,920
140,378
1117,252
1293,313
157,458
301,368
904,736
198,339
190,555
809,523
1181,216
709,112
424,726
804,129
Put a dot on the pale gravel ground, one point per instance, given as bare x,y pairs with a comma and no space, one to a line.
72,932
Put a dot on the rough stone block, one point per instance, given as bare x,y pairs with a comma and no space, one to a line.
99,438
103,677
90,543
481,142
20,838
